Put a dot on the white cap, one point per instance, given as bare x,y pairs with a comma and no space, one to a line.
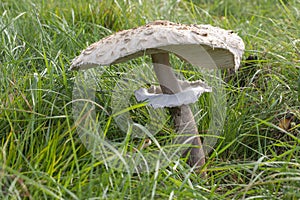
201,45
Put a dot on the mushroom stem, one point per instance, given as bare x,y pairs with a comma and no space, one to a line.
165,74
184,121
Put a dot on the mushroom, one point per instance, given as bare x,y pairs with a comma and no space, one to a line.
201,45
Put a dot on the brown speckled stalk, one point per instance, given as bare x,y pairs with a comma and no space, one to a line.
184,122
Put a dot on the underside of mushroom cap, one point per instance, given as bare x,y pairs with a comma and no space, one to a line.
201,45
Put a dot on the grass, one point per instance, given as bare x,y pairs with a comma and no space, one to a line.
42,156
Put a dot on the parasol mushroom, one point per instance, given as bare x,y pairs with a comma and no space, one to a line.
201,45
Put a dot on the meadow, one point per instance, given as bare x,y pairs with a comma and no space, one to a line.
257,156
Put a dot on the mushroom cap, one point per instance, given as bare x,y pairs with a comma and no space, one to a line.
201,45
